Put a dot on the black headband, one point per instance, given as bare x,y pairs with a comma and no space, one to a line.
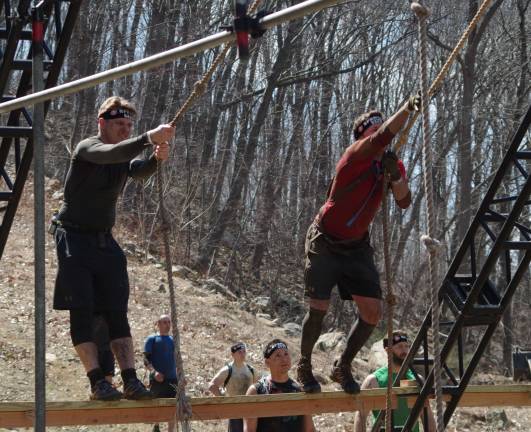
372,120
237,347
397,338
272,348
117,113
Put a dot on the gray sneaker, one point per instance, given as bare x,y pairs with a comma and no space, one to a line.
104,391
135,390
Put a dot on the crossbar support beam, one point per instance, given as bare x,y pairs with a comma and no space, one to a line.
20,414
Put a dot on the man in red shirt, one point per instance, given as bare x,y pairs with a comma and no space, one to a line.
337,243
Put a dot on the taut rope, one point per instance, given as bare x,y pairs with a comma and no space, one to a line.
429,240
183,407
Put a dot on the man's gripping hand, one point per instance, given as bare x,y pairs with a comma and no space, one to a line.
390,164
161,133
160,137
414,102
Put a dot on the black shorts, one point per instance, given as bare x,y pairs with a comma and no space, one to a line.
92,272
164,389
235,425
349,266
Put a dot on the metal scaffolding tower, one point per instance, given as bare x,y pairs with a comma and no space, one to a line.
16,145
481,280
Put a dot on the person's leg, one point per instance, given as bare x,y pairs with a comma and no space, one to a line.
123,350
235,425
370,311
81,334
311,330
321,272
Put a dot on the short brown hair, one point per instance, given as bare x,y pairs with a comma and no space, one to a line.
116,102
361,118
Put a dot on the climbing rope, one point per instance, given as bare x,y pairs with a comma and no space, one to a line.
437,83
183,407
429,240
390,303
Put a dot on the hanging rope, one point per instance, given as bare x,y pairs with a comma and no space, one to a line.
429,240
437,83
390,303
183,407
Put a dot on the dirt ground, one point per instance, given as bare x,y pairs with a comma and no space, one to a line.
208,324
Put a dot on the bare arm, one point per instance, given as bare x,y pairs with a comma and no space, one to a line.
401,193
250,424
214,386
360,418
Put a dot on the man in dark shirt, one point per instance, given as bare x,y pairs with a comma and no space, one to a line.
337,243
278,360
92,269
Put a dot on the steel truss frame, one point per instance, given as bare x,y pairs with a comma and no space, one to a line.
16,146
480,281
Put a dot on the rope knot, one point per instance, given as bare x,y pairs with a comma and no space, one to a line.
200,87
419,10
432,245
390,299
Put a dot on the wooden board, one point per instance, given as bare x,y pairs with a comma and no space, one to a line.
20,414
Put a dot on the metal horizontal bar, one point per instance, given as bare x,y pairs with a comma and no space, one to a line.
523,154
24,34
26,65
294,12
15,131
507,199
19,414
518,245
5,196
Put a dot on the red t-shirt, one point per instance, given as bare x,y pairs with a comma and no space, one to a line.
361,204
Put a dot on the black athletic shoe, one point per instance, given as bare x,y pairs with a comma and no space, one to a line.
104,391
156,428
305,377
342,374
135,390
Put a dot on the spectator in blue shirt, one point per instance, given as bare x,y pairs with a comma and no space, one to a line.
159,359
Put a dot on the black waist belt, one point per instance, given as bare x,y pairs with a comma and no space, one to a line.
80,228
346,243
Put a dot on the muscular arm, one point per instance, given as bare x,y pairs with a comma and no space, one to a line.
215,385
93,150
250,424
401,193
360,418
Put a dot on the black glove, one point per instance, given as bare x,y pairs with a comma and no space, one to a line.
414,102
390,165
